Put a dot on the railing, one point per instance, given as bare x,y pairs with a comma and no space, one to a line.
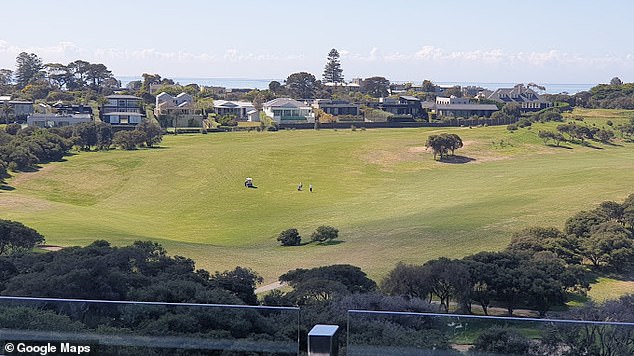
397,333
148,328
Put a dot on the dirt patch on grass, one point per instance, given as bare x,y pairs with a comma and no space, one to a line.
50,247
22,177
9,202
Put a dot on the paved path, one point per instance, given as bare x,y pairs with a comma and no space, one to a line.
269,287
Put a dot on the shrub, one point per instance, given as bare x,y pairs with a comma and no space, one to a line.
511,127
324,233
502,341
289,237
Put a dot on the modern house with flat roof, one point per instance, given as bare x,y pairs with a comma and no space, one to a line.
18,109
242,110
122,110
337,107
288,111
462,107
404,105
528,99
57,120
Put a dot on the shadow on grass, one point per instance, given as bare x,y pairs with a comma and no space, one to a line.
560,146
6,187
456,159
589,145
329,243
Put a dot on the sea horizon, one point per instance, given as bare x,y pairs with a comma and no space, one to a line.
263,83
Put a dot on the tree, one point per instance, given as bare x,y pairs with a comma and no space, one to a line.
410,281
352,277
375,86
7,111
129,140
449,279
302,85
85,135
15,237
512,109
153,132
240,281
276,88
324,233
582,223
428,86
289,237
503,341
443,143
28,69
616,81
610,245
333,72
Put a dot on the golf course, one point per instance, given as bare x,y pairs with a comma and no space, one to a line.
389,198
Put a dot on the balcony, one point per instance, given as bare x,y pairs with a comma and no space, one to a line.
153,328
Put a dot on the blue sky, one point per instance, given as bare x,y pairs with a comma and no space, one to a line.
468,41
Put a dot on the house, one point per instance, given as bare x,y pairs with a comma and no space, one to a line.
18,110
288,111
122,110
528,99
242,110
351,86
57,120
404,105
337,107
69,109
462,107
179,110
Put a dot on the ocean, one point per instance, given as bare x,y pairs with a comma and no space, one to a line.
250,83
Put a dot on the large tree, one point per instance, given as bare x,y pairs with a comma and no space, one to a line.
302,85
375,86
333,72
14,237
28,69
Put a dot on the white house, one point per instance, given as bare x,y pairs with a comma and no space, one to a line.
288,111
56,120
242,110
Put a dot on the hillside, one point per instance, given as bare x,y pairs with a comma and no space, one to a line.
381,188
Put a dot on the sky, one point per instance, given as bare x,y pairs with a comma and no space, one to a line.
482,41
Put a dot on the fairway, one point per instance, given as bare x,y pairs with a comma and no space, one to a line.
380,188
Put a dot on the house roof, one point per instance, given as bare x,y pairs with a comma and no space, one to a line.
483,107
232,104
518,94
409,98
284,103
119,96
122,113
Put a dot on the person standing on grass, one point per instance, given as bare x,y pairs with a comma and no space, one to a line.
299,187
310,188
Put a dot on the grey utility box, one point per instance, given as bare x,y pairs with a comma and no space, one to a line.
322,340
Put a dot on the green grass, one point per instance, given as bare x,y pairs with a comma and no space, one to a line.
389,199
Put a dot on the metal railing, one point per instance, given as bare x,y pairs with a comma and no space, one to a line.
403,333
150,328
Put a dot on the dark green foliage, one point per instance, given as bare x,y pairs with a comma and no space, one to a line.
408,280
502,341
240,281
333,72
324,283
376,87
129,140
227,120
289,237
15,237
443,143
302,85
581,224
536,239
153,133
12,129
324,233
28,69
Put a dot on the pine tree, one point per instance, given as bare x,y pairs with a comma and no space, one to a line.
333,72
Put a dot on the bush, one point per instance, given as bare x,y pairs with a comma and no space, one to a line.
502,341
324,233
289,237
511,127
